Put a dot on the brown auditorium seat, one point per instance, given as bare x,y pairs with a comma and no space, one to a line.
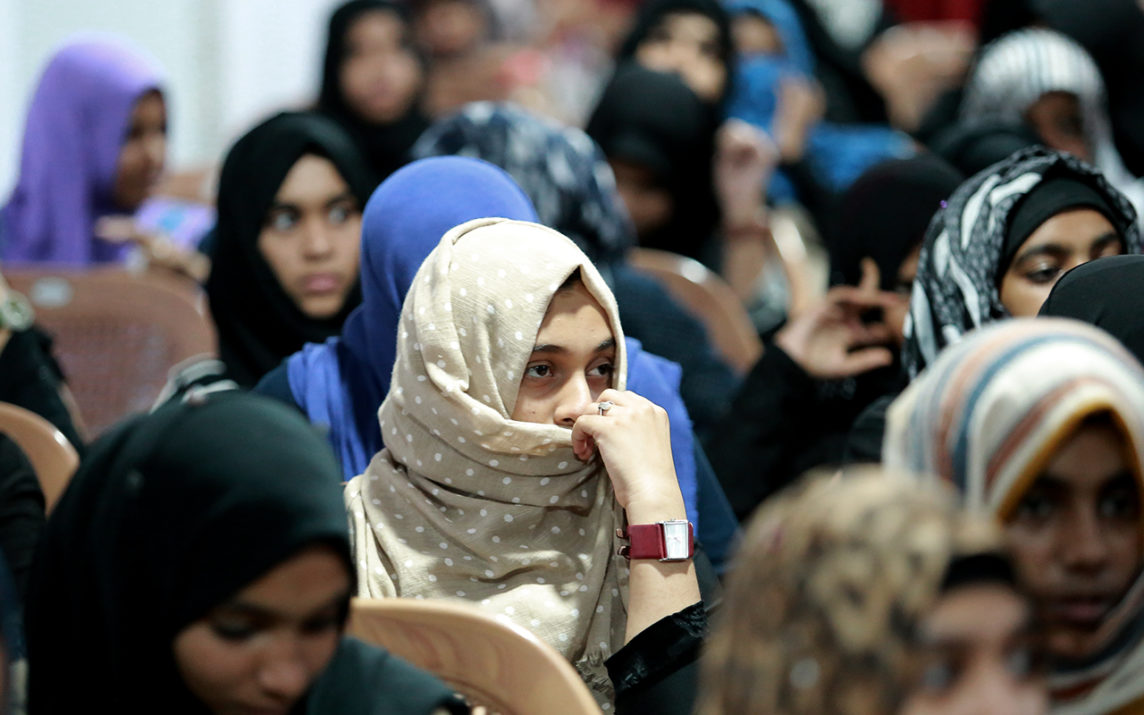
116,332
496,666
709,298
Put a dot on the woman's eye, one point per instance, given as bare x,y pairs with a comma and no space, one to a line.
282,221
938,676
602,370
537,371
1035,507
321,625
338,214
1119,505
1043,274
233,631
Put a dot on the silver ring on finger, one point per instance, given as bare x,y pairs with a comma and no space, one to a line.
603,407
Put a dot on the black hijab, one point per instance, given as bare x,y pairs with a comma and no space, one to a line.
258,323
884,215
1105,293
385,147
654,120
169,515
652,13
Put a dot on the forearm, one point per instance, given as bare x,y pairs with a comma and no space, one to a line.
658,589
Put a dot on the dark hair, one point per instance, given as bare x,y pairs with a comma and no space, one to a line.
571,281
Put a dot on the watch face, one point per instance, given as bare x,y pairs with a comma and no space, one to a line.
676,540
15,312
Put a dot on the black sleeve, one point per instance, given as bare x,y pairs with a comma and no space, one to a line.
649,314
865,441
276,384
31,378
658,670
363,679
767,419
22,515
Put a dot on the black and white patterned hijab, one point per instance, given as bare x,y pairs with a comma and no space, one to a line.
956,288
1019,68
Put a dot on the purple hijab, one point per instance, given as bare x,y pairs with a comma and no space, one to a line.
76,126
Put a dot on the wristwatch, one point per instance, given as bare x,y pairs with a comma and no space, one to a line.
15,311
664,540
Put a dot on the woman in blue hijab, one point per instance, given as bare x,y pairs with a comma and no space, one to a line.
832,156
341,383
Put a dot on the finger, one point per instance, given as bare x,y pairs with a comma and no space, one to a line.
584,433
115,228
871,276
867,359
872,334
851,297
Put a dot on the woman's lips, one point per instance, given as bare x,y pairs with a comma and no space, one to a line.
1079,611
321,283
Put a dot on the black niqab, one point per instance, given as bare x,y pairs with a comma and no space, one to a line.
652,119
1105,293
258,323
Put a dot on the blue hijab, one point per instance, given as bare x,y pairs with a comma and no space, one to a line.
836,154
342,382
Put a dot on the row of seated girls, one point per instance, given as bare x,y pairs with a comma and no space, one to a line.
438,377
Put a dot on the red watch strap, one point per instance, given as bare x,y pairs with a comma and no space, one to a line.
647,541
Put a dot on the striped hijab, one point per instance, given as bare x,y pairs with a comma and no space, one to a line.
956,288
988,416
1019,68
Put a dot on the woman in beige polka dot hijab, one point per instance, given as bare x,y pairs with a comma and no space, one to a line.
502,482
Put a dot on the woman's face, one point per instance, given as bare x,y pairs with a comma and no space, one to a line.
572,362
649,205
1057,119
755,36
449,28
143,154
1076,536
380,75
687,43
975,655
311,237
1063,242
260,650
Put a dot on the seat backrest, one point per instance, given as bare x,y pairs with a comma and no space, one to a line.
493,664
116,333
51,455
708,297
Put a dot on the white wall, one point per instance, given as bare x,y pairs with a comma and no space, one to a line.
228,62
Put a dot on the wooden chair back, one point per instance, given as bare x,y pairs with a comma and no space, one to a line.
52,456
494,665
117,333
707,296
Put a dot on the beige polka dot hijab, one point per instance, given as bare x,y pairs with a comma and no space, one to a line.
467,503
